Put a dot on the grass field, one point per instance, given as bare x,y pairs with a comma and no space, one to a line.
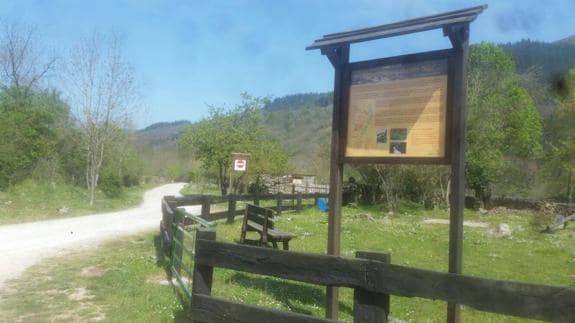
124,285
29,201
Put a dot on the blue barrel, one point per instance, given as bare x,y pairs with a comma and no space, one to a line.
322,204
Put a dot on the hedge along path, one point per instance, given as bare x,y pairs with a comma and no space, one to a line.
23,245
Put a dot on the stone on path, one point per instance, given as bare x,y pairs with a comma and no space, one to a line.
502,231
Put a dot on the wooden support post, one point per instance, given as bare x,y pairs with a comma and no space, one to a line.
339,58
203,275
298,206
206,208
370,306
315,197
459,36
279,203
231,208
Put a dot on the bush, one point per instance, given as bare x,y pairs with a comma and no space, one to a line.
111,184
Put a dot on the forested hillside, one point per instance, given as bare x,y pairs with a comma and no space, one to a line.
520,112
547,59
302,125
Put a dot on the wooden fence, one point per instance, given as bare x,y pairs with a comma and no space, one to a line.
373,279
283,202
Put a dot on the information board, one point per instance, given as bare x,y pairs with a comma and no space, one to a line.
398,109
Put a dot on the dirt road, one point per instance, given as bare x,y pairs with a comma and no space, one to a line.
23,245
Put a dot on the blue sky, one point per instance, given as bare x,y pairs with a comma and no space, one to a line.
191,53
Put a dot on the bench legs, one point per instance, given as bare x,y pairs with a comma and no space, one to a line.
285,244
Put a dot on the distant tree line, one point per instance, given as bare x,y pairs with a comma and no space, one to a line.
300,100
551,60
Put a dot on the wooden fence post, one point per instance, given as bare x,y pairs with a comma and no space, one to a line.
203,275
369,306
293,196
315,197
298,207
257,198
279,203
166,228
231,208
206,208
178,247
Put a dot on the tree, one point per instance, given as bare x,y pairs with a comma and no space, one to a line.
103,95
22,63
559,163
31,128
504,127
225,131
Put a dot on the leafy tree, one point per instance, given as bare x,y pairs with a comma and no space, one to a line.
504,127
560,156
30,125
214,139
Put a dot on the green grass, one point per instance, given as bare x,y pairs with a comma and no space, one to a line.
527,256
30,201
117,282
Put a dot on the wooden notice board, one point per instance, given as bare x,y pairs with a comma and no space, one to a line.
397,109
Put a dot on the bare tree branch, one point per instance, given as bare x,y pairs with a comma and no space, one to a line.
22,61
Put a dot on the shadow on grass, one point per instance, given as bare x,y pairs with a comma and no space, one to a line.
286,292
163,261
282,291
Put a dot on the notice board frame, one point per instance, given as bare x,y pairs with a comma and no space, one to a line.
449,55
336,47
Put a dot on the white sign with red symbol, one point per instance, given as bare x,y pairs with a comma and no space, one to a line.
240,165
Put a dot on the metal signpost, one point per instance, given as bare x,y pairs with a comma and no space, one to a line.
404,109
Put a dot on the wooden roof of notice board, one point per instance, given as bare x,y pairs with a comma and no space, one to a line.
399,28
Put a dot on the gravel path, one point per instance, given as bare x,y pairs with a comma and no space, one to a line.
23,245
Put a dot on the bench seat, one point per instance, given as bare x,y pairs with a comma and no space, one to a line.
261,220
273,233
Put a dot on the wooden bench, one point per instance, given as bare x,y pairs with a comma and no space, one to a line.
261,220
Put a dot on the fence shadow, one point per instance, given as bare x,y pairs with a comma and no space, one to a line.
161,259
286,292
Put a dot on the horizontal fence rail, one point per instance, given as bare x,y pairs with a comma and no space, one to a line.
542,302
178,226
171,209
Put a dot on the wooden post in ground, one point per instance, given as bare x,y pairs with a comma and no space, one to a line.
339,58
206,208
279,203
298,206
257,198
459,36
231,208
369,306
203,274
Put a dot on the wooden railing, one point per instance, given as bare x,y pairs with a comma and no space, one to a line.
170,204
373,280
